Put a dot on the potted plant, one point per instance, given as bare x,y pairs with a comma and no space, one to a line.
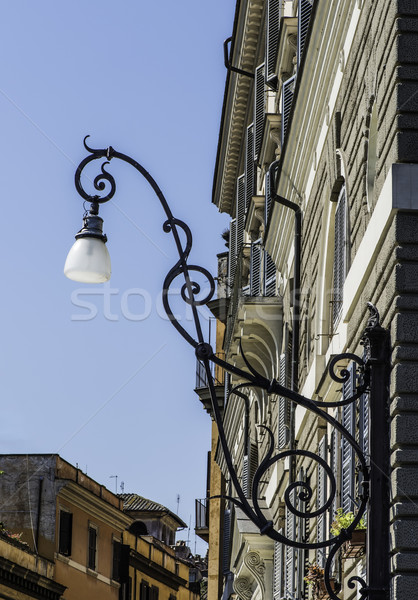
315,579
356,545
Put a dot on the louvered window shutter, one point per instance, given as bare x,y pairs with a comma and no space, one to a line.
364,423
348,420
278,570
339,269
232,264
253,458
240,213
226,542
144,591
304,16
363,432
302,530
259,110
289,569
227,385
249,166
255,268
284,407
321,500
246,476
267,204
287,99
334,448
272,41
269,275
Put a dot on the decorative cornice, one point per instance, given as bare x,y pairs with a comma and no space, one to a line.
148,567
28,582
232,133
89,502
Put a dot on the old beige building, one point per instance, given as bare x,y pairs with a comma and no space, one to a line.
317,167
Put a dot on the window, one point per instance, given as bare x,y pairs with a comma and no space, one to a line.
144,591
138,528
340,256
65,533
117,547
92,550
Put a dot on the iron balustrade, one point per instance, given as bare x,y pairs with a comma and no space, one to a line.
217,373
202,513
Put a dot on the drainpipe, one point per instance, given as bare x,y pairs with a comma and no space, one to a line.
296,298
228,63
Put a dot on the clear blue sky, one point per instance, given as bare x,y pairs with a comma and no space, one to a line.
114,392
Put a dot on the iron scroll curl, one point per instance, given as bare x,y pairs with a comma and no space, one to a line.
191,293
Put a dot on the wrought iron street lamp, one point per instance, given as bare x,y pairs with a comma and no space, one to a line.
88,261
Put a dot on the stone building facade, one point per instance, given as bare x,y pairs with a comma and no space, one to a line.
319,129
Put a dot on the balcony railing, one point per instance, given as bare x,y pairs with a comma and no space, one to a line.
202,514
217,373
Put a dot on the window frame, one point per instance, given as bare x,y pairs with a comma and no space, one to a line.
65,545
92,528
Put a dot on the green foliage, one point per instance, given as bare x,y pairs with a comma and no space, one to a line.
343,521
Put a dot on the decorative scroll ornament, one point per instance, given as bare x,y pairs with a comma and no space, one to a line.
105,184
243,588
256,566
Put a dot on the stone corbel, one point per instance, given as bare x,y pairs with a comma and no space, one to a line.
259,215
243,588
257,568
292,41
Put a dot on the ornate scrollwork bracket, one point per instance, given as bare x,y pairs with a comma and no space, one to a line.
105,187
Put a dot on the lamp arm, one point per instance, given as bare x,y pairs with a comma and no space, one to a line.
299,493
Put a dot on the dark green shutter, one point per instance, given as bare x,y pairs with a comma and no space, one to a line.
92,548
226,542
334,455
232,264
65,533
287,100
304,17
250,167
278,570
348,420
259,110
284,406
289,567
269,275
272,41
321,525
267,204
240,213
255,268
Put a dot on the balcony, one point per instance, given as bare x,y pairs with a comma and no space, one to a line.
202,519
202,384
254,311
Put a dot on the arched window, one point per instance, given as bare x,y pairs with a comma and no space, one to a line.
138,528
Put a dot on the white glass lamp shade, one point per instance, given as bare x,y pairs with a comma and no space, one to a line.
88,261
